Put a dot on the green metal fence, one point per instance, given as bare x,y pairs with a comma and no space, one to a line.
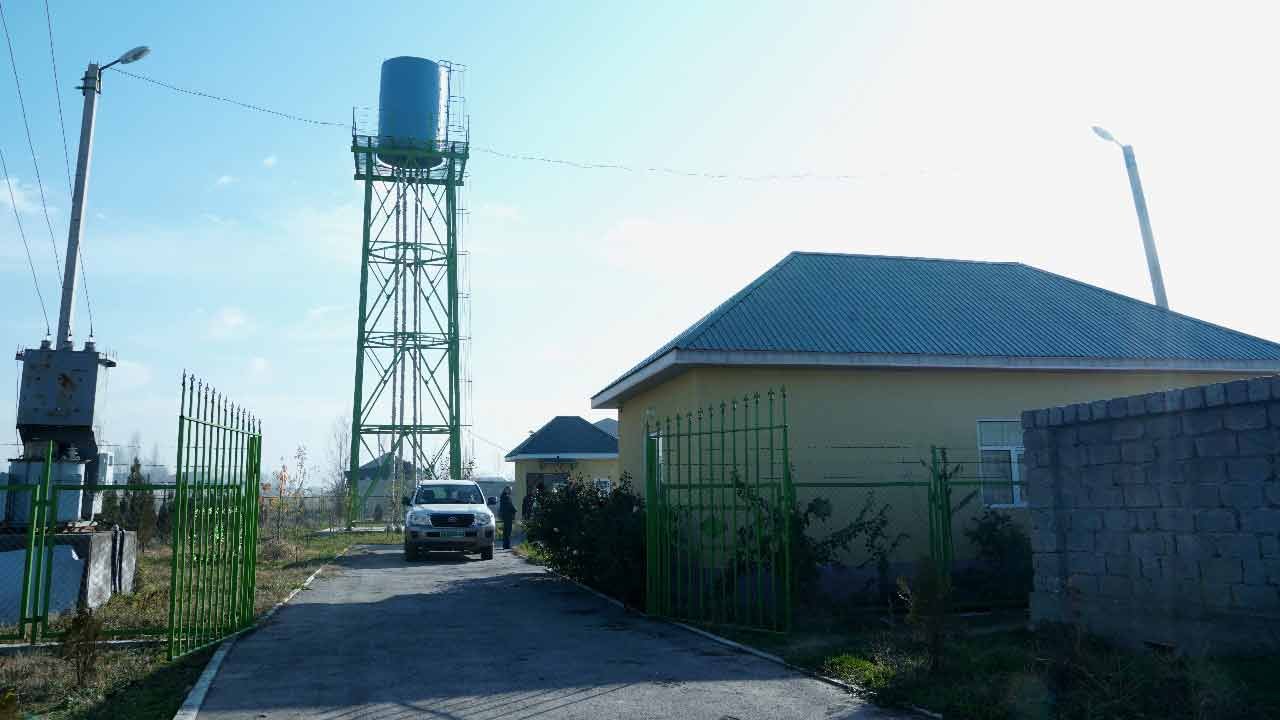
64,566
928,492
725,513
213,578
32,611
720,508
63,548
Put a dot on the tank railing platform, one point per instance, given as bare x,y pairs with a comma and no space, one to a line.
436,162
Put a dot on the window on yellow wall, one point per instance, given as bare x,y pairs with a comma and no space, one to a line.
1001,467
603,484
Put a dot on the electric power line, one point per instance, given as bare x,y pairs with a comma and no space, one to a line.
13,202
219,98
579,164
486,441
57,94
22,106
66,158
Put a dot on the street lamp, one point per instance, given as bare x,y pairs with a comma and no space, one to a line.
91,86
1144,221
132,56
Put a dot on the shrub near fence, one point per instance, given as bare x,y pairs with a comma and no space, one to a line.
593,536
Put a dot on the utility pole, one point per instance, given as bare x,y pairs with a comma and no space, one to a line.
1144,220
58,394
91,86
1144,225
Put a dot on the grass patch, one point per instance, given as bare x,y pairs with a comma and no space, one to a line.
529,552
131,682
1014,675
138,682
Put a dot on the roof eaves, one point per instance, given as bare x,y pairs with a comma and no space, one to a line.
675,361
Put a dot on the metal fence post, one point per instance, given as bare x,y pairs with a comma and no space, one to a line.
652,510
788,493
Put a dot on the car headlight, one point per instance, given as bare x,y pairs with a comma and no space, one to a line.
419,518
484,519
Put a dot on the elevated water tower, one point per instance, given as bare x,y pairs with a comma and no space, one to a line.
407,410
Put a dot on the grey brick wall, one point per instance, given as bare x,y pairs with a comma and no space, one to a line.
1155,519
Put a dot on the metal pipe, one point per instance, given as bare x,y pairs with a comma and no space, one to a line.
90,86
1144,224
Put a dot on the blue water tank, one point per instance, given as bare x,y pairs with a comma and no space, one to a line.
408,105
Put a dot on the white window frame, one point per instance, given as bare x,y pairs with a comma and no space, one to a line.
603,484
1016,453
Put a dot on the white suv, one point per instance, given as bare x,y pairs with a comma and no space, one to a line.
450,516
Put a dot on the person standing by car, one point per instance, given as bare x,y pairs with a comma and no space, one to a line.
507,511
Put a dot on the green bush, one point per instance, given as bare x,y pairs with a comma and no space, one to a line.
812,549
928,600
1004,573
593,536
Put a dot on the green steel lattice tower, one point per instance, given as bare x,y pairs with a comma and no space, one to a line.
408,398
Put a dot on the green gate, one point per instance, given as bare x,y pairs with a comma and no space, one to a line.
212,508
32,613
720,506
215,528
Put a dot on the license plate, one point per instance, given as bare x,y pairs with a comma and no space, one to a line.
451,533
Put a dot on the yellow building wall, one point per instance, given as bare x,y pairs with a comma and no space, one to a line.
586,469
830,410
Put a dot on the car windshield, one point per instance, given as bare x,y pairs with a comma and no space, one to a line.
448,495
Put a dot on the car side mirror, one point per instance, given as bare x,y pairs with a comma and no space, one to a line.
492,501
405,500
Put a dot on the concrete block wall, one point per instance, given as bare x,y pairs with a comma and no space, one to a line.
1155,519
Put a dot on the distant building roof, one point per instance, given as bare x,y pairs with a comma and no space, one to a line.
569,437
608,425
382,465
822,309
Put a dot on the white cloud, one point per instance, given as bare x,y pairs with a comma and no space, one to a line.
333,232
25,197
128,375
269,161
499,212
324,323
259,368
227,322
224,180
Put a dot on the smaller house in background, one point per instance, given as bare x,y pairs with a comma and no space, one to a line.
375,485
492,485
608,425
567,446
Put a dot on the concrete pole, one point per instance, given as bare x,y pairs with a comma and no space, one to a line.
1144,224
90,87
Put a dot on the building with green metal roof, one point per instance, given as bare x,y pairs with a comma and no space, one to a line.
884,357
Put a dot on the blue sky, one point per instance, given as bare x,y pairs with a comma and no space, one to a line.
226,241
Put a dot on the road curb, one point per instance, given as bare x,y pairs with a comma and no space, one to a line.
190,708
770,657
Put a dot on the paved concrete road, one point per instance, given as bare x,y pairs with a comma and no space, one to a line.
456,639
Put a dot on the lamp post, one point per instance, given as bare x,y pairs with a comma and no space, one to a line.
91,86
1144,221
